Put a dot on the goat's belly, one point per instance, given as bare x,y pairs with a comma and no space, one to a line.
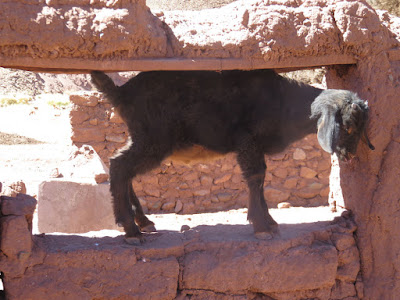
194,154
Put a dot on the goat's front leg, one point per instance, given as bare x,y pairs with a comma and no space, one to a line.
253,167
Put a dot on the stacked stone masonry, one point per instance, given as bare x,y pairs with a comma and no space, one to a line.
299,175
307,261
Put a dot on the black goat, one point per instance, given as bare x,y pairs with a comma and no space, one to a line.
251,113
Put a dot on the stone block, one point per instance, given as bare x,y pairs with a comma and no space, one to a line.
21,205
16,238
85,98
263,269
74,207
69,273
86,135
341,290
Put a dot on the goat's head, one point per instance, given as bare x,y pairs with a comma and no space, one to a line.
342,122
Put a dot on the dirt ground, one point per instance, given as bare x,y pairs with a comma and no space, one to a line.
34,139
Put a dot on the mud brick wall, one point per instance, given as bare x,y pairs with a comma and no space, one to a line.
300,175
320,261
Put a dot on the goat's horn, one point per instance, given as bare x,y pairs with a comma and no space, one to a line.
355,108
366,140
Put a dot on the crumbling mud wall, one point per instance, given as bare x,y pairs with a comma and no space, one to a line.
299,175
370,186
81,35
320,260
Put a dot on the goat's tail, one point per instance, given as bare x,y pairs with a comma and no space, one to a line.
105,85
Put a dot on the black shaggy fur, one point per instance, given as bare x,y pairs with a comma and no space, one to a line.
251,113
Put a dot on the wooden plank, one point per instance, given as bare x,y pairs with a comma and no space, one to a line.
78,65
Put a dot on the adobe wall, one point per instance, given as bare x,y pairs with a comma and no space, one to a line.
299,175
370,186
320,261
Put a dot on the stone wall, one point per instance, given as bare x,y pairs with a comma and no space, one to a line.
300,175
307,261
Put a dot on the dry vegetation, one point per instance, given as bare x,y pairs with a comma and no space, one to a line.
392,6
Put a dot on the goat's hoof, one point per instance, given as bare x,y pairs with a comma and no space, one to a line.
263,235
133,240
148,228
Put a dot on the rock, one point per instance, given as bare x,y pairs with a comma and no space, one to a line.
274,195
324,192
279,156
168,206
341,290
280,173
55,173
343,241
306,193
149,179
86,135
206,180
154,205
178,206
360,289
305,268
307,173
349,264
84,99
299,154
151,190
201,193
116,118
15,237
290,183
223,178
78,116
86,165
185,228
189,208
21,205
74,207
116,138
14,188
158,278
94,122
284,205
224,197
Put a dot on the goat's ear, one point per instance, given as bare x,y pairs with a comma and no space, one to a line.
328,131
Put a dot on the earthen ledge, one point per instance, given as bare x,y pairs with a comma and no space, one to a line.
77,65
222,258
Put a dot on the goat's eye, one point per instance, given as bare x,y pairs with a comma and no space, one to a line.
349,130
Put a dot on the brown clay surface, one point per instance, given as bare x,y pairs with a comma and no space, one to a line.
243,34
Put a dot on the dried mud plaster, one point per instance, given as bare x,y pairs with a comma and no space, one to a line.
125,35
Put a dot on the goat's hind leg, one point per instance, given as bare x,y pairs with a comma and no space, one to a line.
141,220
253,167
127,208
